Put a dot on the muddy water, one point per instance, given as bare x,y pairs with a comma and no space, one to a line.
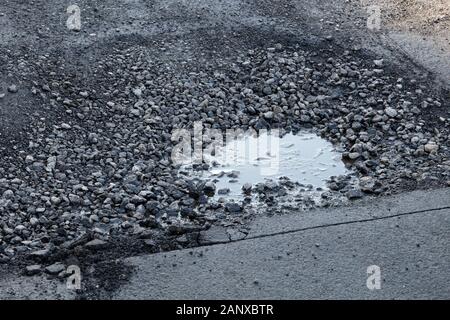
305,158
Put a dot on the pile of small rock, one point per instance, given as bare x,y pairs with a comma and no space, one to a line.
107,170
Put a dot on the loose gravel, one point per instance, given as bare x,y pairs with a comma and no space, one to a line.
105,170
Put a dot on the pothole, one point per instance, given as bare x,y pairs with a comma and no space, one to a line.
248,164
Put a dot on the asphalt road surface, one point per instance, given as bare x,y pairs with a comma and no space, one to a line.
85,123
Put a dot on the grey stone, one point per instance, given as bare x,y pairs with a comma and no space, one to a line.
33,270
96,244
233,207
55,268
13,88
354,194
391,112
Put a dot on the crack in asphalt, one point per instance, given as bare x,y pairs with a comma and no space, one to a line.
332,225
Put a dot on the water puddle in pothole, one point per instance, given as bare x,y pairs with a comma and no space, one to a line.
304,159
